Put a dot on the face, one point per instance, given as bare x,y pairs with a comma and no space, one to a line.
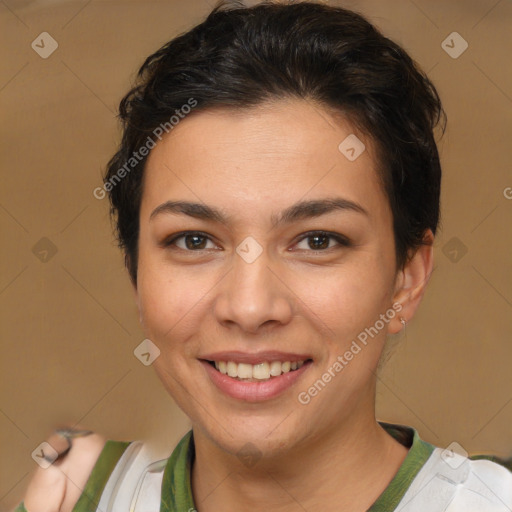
263,249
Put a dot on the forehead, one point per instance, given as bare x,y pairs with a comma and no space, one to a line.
274,154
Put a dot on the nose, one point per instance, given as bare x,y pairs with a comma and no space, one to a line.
253,297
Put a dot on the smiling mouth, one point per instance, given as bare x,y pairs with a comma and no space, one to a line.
263,371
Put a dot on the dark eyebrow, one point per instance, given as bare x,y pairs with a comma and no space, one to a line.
315,208
196,210
296,212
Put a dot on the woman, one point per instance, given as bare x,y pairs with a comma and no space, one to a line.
276,193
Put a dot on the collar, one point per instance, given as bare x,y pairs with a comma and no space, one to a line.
177,490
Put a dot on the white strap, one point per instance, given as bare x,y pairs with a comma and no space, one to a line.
135,483
110,490
460,485
149,489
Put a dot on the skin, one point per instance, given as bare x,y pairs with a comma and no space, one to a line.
58,487
251,165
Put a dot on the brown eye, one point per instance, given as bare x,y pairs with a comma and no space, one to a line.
322,241
189,242
195,242
319,242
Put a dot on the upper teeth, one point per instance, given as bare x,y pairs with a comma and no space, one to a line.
259,371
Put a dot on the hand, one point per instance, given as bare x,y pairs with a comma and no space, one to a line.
58,487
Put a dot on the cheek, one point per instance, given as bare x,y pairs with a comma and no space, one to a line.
165,306
173,303
164,297
346,299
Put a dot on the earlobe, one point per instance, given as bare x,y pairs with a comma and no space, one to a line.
412,281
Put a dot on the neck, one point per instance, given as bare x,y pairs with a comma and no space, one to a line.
346,468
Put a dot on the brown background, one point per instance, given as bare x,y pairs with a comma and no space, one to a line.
69,324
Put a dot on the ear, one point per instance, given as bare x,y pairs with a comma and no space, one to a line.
412,281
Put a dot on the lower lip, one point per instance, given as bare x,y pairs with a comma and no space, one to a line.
254,391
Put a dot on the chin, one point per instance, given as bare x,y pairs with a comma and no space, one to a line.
255,437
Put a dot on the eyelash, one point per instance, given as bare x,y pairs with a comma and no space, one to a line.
340,239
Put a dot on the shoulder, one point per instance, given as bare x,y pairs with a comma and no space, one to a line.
462,484
58,485
450,480
488,483
106,473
